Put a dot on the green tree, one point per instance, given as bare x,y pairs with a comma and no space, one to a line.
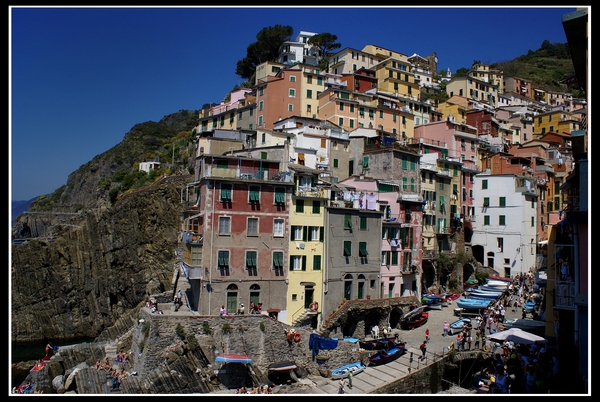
325,42
266,48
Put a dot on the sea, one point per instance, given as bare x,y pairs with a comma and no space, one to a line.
32,351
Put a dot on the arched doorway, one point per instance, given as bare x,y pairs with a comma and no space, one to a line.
348,287
232,299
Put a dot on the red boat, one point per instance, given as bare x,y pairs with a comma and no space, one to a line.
414,318
499,278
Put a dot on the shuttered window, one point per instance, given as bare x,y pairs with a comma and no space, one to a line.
347,248
254,195
279,196
250,259
223,259
225,192
362,249
278,259
347,221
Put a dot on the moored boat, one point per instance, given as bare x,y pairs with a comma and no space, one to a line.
534,326
385,356
414,318
233,358
376,344
499,278
284,365
472,304
342,372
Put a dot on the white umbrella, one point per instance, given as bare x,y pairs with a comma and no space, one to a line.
517,335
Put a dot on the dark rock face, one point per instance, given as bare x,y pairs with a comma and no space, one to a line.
89,267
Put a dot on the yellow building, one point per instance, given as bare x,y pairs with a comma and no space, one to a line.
307,262
555,121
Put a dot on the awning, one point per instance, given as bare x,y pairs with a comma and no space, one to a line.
543,242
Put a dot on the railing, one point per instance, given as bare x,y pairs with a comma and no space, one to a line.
298,314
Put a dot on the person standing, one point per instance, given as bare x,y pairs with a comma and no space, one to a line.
342,383
427,335
350,380
446,328
423,348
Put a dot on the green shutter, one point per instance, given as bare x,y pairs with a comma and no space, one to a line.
347,221
347,248
366,162
278,259
394,258
279,196
316,263
304,263
362,249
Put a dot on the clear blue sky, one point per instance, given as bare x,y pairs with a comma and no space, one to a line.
81,78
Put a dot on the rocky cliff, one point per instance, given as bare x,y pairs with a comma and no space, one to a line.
85,269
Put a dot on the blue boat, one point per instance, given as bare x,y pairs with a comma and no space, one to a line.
342,372
529,306
386,356
472,304
484,295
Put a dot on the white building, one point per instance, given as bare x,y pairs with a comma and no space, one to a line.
505,228
148,166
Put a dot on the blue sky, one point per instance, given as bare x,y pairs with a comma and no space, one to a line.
81,78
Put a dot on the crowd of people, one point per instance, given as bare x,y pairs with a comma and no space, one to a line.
265,389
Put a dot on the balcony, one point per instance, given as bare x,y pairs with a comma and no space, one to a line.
247,174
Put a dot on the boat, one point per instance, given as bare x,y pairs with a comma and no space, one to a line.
435,306
480,294
453,296
387,355
500,284
529,306
458,325
376,344
499,278
233,358
342,372
284,365
471,283
487,288
472,304
414,318
533,326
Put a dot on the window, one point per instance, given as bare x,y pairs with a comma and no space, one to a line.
341,106
316,207
394,257
261,105
297,233
502,201
319,80
252,229
502,220
299,206
223,259
486,202
226,192
278,227
309,93
278,260
196,251
347,221
290,107
500,243
486,220
533,221
250,259
347,248
363,223
316,263
224,225
335,163
463,144
261,91
340,121
351,123
254,195
292,93
292,78
298,263
484,184
315,233
362,249
279,196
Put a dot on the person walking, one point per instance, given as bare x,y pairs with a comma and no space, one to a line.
427,335
446,328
